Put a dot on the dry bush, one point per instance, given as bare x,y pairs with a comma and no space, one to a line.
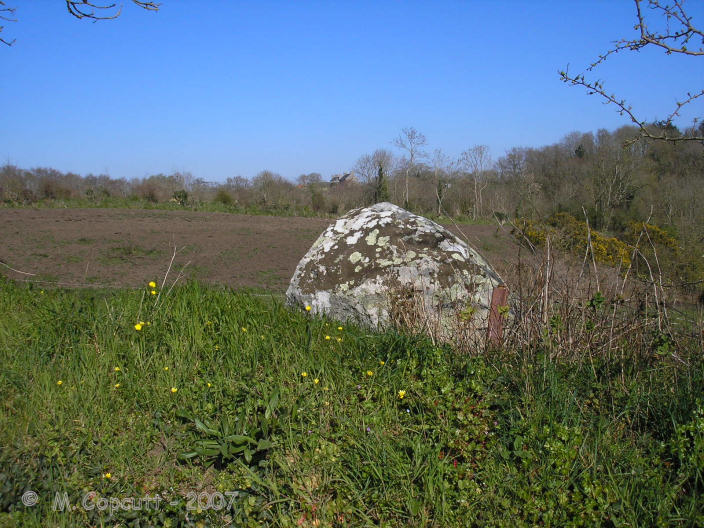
569,308
574,309
462,327
54,190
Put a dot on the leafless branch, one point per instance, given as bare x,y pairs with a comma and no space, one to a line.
103,11
6,14
680,37
80,9
675,38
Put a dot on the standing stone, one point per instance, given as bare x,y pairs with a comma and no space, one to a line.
376,264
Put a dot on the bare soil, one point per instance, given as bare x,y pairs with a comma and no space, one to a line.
127,247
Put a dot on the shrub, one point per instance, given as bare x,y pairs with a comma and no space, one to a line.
181,197
566,232
317,200
223,197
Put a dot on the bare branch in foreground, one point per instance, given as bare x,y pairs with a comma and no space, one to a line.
101,10
675,38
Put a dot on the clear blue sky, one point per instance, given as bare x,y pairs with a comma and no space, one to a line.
230,88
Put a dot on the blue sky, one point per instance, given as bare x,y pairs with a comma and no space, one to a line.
231,88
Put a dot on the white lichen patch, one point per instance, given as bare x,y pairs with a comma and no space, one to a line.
352,239
355,257
370,239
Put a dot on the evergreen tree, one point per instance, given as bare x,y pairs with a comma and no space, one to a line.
381,192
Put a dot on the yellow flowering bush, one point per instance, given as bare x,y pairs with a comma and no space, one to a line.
568,233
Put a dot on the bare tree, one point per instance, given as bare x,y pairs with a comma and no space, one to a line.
80,9
367,166
476,160
441,163
313,178
513,165
364,169
412,142
674,37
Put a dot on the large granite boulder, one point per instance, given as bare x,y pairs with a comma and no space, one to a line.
376,263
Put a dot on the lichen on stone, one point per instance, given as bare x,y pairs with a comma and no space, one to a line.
359,263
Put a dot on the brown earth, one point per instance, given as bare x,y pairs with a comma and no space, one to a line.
127,247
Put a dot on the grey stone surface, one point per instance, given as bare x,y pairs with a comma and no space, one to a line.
361,265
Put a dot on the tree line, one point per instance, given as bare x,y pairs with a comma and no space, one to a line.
607,178
612,177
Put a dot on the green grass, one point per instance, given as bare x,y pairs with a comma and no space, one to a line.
505,439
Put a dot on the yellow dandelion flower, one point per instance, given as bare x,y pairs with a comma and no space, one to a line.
117,385
174,389
142,323
308,308
108,475
339,340
166,368
382,362
148,323
138,327
59,382
339,328
153,292
117,369
401,394
209,385
370,373
304,374
316,381
244,329
152,284
327,338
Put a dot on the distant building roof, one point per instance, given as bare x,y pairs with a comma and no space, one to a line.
347,177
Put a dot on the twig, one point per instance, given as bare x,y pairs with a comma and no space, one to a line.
546,286
17,271
589,242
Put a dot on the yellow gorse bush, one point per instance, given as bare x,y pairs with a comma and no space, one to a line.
566,232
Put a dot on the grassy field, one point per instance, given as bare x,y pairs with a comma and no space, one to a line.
236,411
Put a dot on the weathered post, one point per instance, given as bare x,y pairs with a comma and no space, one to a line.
495,328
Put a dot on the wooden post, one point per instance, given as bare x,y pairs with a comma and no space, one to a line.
495,330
